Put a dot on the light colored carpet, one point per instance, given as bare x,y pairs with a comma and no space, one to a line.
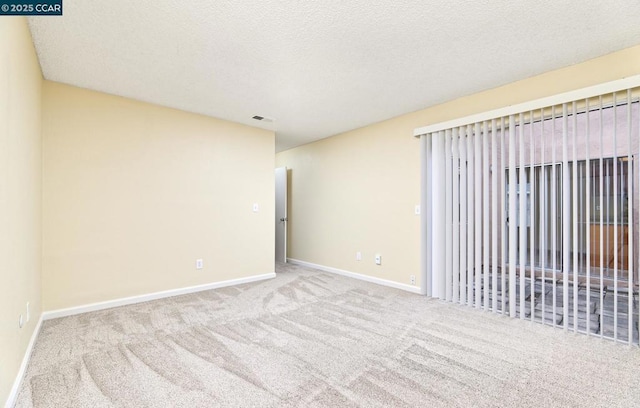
309,338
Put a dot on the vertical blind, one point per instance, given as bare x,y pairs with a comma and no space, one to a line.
534,213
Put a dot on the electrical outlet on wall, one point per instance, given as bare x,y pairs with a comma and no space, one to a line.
199,263
358,256
378,259
412,279
416,210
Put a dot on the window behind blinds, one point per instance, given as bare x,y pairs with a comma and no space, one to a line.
534,213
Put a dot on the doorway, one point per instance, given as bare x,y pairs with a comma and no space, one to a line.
281,215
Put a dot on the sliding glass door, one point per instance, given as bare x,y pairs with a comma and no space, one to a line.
607,226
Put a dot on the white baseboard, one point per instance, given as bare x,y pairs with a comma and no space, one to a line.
367,278
13,395
54,314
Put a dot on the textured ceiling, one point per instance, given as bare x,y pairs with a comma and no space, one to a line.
325,67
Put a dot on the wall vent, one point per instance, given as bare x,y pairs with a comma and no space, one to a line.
263,118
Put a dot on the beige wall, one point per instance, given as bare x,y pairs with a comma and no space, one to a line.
134,193
20,195
357,191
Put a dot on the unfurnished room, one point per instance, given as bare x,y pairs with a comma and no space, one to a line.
319,204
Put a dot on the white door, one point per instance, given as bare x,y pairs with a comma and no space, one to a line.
281,214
